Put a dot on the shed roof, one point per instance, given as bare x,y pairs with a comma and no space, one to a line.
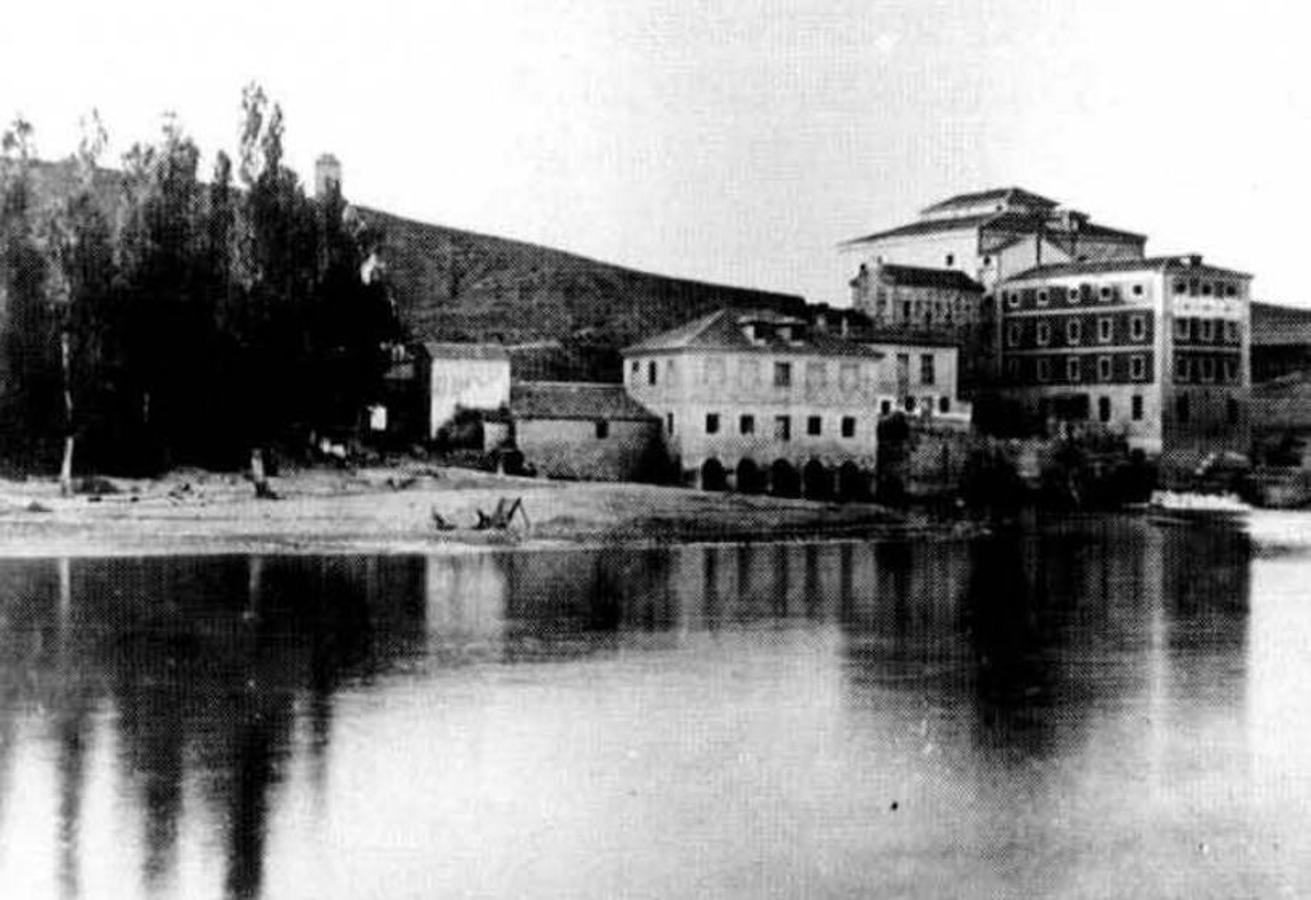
575,400
1275,325
919,276
453,350
1004,195
1187,263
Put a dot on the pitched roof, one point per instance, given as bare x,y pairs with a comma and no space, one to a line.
1005,195
1273,325
1024,223
918,276
724,330
1191,264
456,350
575,400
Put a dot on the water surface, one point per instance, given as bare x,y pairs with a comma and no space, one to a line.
1090,709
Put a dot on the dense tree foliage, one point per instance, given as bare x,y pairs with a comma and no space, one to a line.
170,320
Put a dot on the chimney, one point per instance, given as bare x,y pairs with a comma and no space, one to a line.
327,172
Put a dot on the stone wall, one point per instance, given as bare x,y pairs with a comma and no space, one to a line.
571,448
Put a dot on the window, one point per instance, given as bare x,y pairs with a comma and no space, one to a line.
782,428
1181,410
926,368
1231,331
748,372
1206,330
849,377
1137,367
782,374
1138,328
1104,329
602,429
1208,369
1106,294
1073,369
1180,286
1230,370
1136,410
712,423
848,426
1013,369
1042,297
816,376
814,426
1183,369
1013,334
1206,288
1072,295
951,259
1137,290
1183,329
746,424
1012,299
1103,368
885,406
635,372
1073,332
669,422
1194,287
1044,370
1104,409
1231,290
944,404
651,372
911,403
1233,410
1043,334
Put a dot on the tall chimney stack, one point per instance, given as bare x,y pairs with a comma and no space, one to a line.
327,173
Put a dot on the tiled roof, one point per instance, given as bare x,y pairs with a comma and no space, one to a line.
575,400
1273,325
452,350
918,276
724,330
1022,223
1004,195
932,226
1147,264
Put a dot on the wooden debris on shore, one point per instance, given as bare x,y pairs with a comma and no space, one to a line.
502,516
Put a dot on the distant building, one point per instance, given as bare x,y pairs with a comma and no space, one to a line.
992,235
583,430
1156,349
1281,341
761,401
428,382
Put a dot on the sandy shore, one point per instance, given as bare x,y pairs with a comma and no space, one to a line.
390,510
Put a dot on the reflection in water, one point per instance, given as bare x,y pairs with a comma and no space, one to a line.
411,722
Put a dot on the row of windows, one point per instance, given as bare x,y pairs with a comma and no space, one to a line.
713,371
1206,331
1206,369
1072,295
1079,408
1074,369
746,425
1198,287
1101,330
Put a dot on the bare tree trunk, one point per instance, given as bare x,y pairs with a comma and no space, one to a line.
66,467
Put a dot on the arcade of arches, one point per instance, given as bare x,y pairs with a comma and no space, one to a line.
813,480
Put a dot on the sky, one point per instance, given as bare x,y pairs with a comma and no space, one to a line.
737,142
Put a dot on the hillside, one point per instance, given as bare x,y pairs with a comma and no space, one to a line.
577,312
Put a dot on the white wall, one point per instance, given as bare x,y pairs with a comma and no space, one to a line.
467,383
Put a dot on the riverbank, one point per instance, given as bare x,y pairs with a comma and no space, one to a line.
391,510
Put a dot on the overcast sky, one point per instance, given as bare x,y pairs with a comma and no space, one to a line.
732,141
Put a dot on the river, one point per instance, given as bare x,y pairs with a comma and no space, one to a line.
1086,708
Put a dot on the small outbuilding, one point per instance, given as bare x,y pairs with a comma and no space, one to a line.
584,430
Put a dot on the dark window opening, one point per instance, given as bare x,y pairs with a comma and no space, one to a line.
712,423
814,425
651,372
1181,410
746,424
1137,409
849,426
602,429
1104,409
782,428
782,374
669,422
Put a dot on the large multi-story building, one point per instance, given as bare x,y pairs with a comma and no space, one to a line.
994,234
1154,348
759,400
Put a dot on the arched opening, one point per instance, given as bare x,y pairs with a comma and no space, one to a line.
853,484
784,479
817,480
750,477
713,476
